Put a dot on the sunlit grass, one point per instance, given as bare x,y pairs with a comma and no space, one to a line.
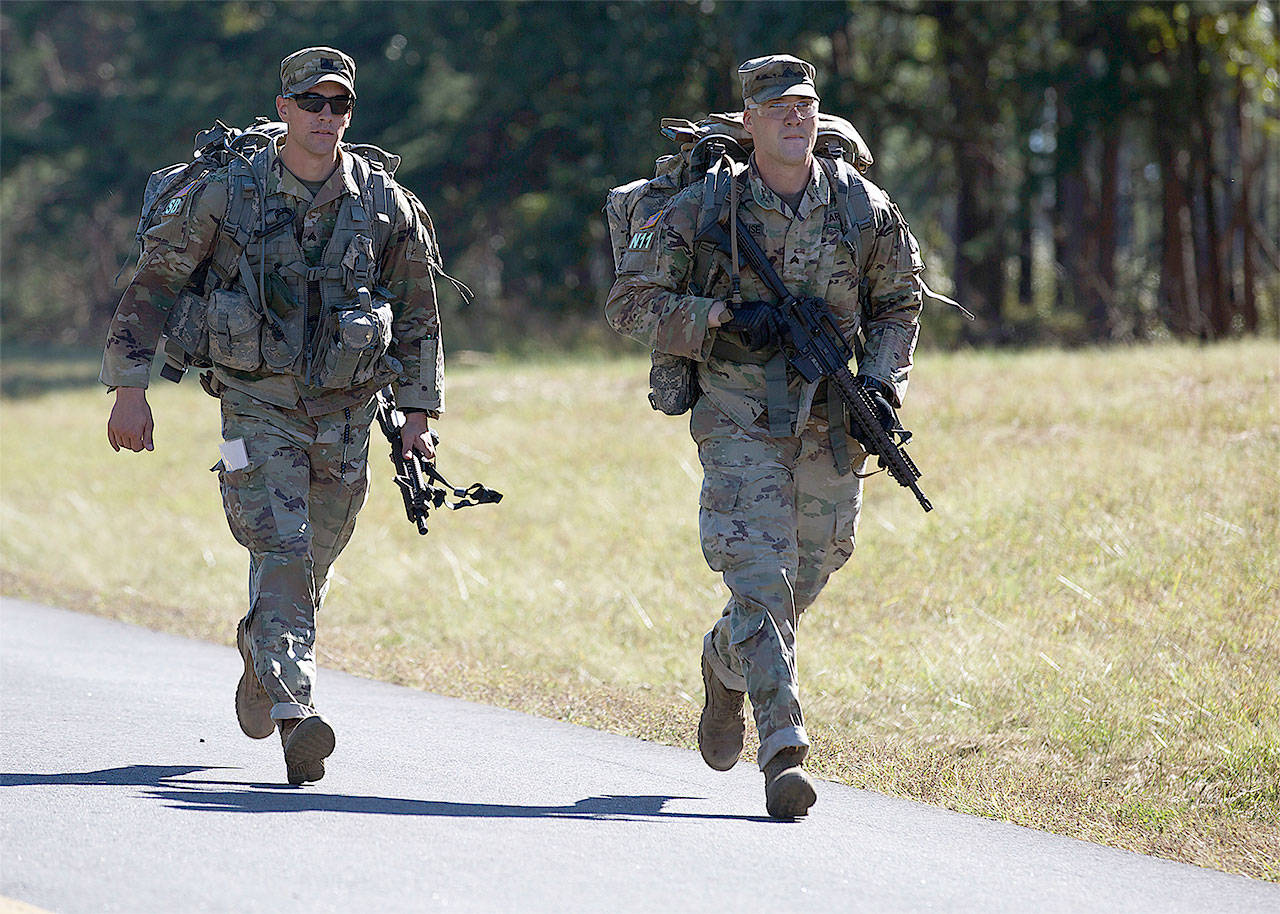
1083,637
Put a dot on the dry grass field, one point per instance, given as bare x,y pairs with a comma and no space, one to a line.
1083,636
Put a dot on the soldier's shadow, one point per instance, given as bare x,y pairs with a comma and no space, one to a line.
172,784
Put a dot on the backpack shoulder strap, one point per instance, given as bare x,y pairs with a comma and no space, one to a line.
857,219
376,193
715,197
243,180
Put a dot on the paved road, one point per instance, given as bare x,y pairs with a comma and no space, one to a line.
125,785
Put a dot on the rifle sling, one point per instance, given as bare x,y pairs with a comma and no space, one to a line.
781,418
836,425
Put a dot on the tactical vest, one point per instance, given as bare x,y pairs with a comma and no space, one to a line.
349,264
268,312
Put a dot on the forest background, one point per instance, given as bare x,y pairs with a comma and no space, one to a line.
1076,172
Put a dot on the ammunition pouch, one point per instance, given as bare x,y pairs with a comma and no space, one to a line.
186,331
235,330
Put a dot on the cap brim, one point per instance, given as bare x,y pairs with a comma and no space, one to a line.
325,78
774,92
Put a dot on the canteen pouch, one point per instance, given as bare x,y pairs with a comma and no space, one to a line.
235,331
355,340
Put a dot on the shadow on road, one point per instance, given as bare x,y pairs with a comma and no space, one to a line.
169,783
129,775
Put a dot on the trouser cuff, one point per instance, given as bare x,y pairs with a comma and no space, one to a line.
735,682
786,738
288,710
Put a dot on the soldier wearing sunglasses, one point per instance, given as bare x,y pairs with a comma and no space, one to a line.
781,490
307,319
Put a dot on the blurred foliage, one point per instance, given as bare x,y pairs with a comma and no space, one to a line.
1022,140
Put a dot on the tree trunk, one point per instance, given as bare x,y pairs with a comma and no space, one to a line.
979,229
1175,291
1208,245
1248,290
1102,231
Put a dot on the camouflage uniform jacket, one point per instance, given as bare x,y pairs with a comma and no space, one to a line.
651,300
180,243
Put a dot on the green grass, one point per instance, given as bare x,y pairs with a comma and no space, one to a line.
1083,636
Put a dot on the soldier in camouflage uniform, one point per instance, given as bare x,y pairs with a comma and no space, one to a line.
780,494
349,307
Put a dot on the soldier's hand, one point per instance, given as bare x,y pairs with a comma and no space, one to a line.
757,322
415,436
880,403
130,425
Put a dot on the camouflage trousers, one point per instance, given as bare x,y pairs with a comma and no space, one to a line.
776,519
294,508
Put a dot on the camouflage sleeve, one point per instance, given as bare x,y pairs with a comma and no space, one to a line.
891,315
172,250
406,268
649,300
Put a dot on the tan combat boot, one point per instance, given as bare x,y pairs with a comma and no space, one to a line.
253,706
307,742
788,790
722,725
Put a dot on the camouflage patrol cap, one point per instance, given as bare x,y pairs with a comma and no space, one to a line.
309,67
767,78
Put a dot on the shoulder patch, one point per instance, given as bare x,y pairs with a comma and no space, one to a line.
174,204
652,220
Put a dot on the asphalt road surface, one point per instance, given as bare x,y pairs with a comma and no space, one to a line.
126,785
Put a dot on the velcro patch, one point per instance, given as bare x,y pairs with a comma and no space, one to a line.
641,240
175,202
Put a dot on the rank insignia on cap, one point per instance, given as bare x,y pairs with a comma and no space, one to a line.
641,241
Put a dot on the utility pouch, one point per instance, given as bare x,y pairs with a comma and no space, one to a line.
235,331
187,329
355,340
282,336
673,383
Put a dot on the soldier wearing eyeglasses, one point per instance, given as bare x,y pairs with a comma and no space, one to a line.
306,321
781,492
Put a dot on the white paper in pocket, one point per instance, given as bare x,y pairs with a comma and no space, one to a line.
234,456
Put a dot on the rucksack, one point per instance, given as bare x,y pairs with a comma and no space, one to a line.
714,150
186,336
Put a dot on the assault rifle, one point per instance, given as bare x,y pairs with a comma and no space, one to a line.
416,476
816,348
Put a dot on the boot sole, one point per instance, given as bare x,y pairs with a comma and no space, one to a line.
717,762
790,795
310,743
253,706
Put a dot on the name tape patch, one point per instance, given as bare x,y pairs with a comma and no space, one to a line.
641,241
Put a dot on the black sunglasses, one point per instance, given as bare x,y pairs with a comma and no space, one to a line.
314,102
